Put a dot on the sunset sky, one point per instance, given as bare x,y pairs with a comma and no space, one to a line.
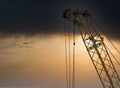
32,53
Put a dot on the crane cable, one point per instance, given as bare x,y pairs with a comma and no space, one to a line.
108,38
69,55
69,68
73,74
70,72
66,57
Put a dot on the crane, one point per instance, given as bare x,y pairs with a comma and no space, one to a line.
95,46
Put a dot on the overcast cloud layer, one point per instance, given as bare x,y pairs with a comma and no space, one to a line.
45,16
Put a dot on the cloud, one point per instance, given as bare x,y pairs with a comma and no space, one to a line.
26,44
45,16
12,44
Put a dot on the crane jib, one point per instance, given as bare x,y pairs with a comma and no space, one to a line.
95,45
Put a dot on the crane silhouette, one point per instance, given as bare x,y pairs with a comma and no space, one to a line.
96,47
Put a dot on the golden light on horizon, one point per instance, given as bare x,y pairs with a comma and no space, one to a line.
38,60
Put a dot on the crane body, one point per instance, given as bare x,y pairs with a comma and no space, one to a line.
96,47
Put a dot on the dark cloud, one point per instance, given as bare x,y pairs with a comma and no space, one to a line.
8,44
27,44
45,16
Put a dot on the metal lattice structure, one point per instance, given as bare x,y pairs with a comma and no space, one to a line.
94,43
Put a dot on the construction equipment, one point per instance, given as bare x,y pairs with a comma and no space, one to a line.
96,47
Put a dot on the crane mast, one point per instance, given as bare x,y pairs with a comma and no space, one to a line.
94,43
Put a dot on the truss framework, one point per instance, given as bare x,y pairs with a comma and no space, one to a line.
95,46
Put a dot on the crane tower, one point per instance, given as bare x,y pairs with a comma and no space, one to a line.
97,49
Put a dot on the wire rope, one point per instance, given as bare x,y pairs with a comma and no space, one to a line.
73,76
66,57
69,56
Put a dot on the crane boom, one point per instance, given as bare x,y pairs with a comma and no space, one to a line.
94,43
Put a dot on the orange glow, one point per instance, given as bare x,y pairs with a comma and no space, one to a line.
41,60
